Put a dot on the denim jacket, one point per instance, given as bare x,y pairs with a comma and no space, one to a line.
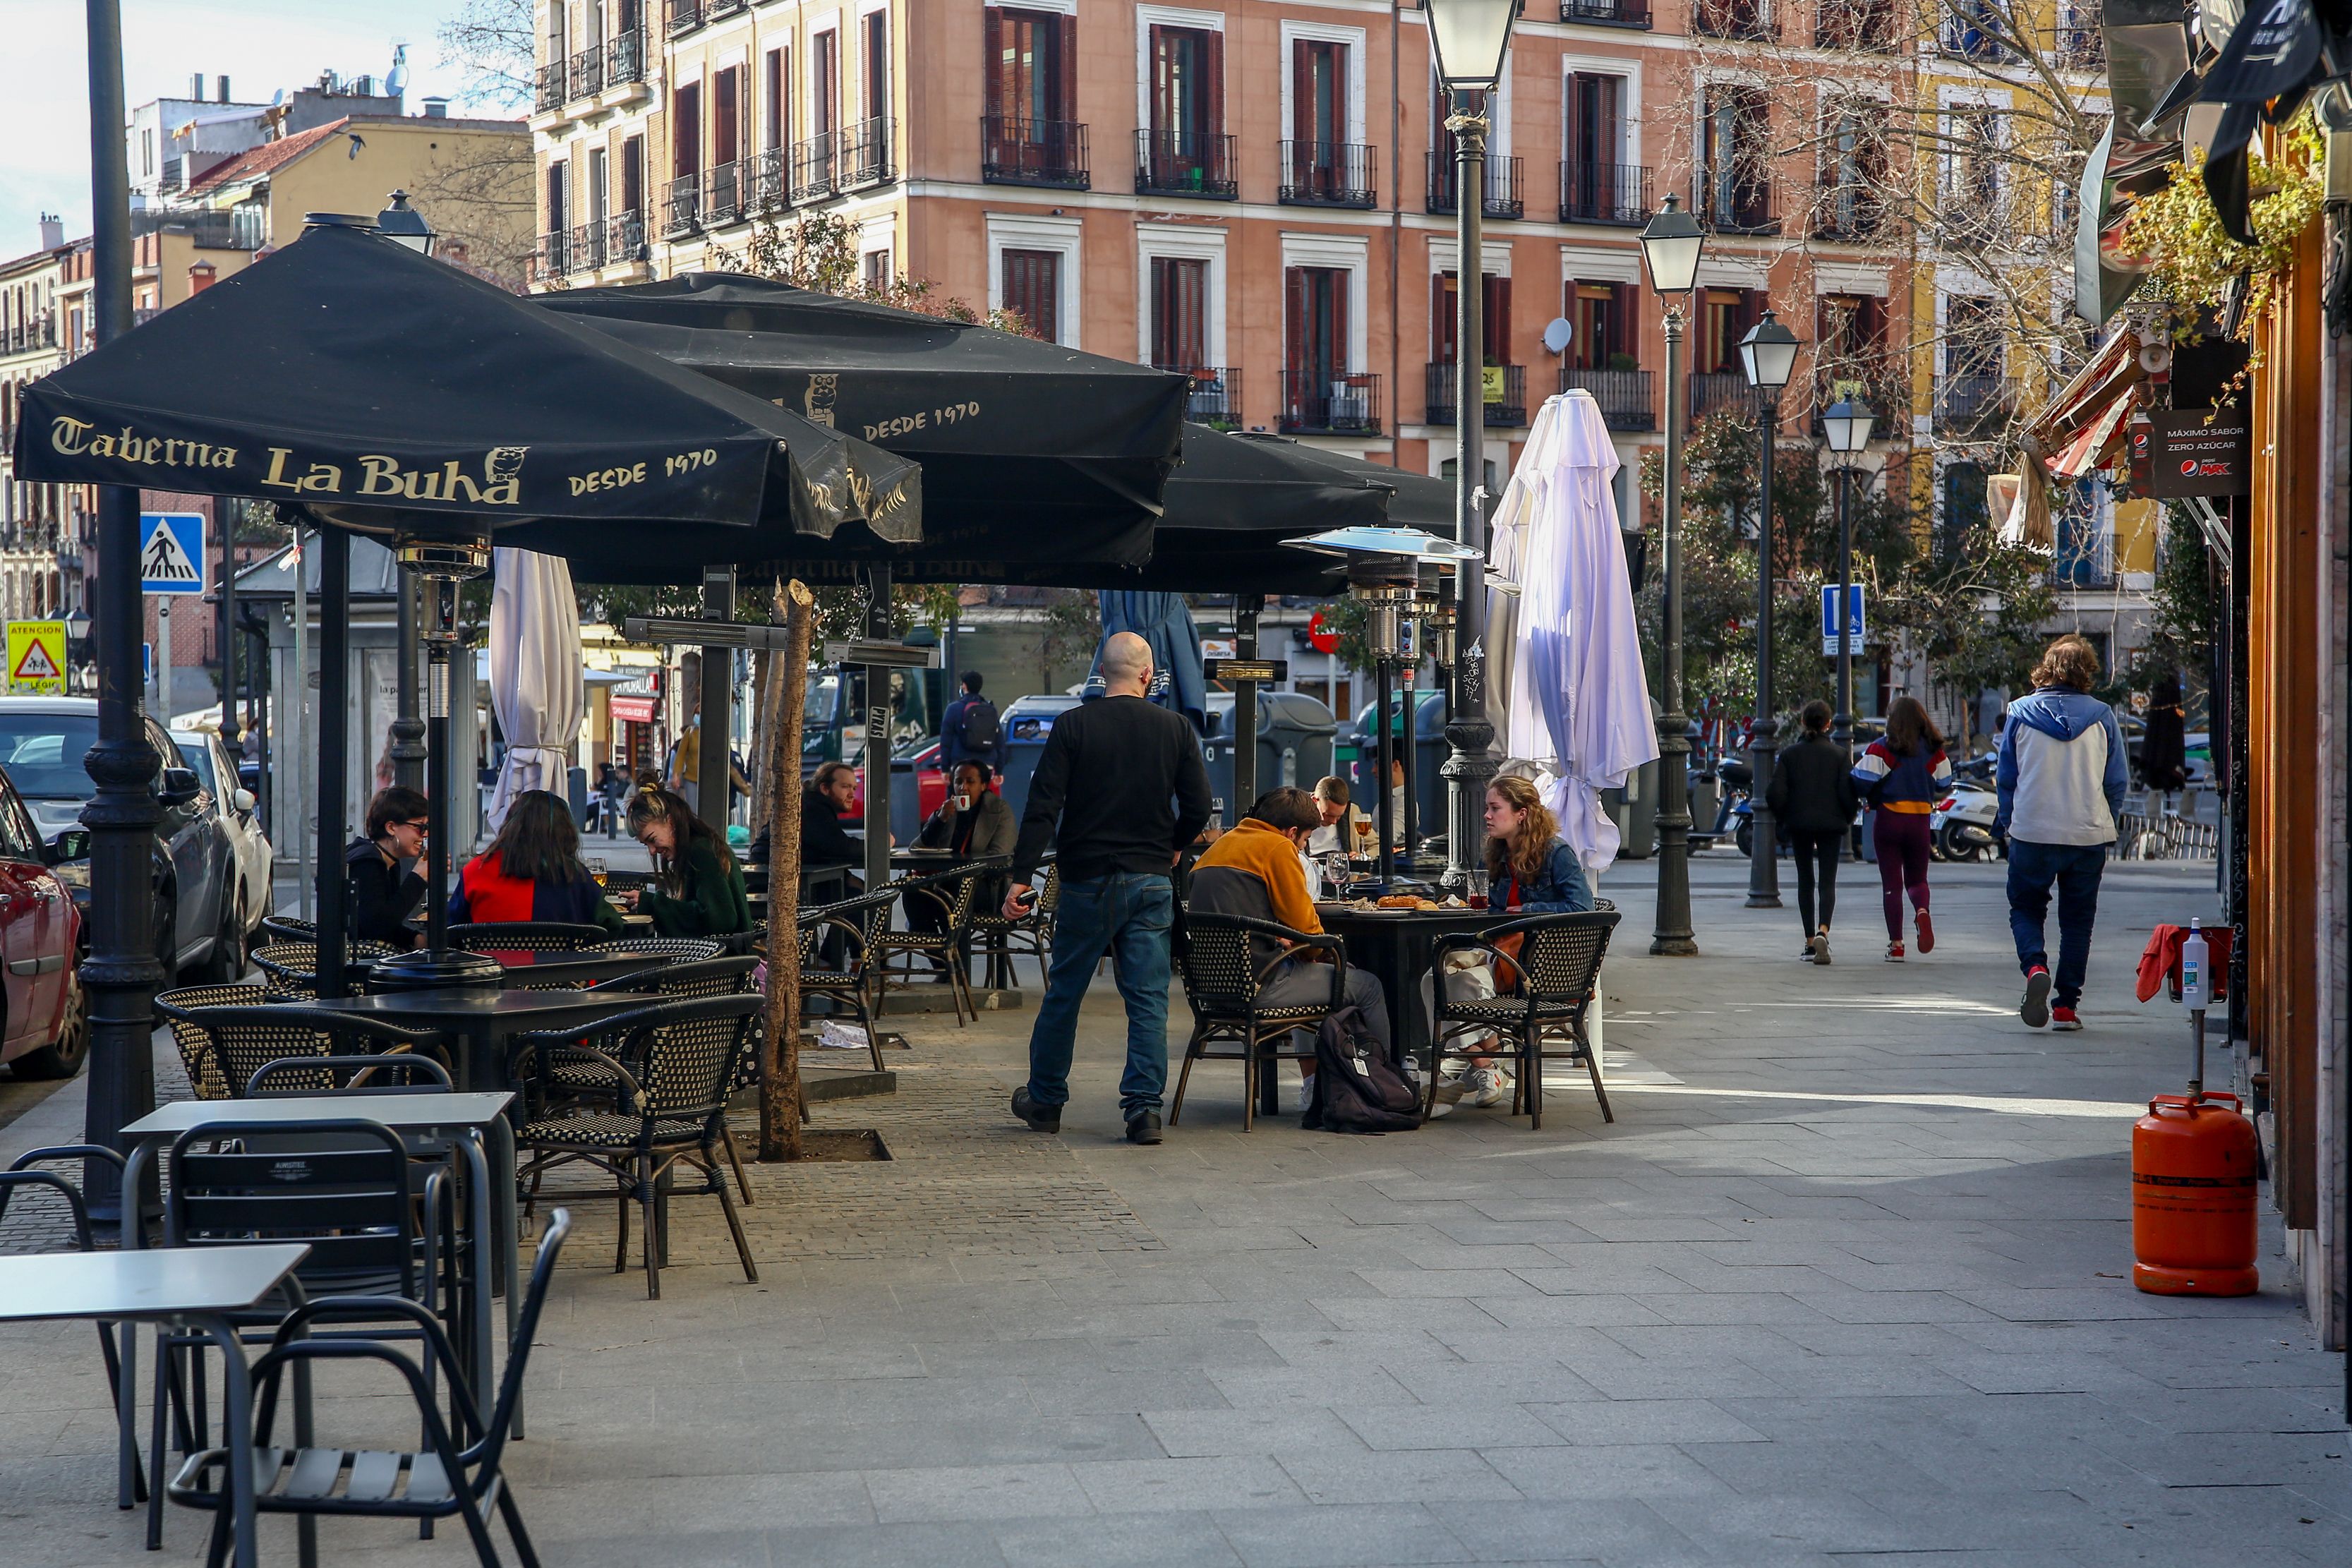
1559,888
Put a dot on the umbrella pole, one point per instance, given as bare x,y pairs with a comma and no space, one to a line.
334,745
780,1084
1385,753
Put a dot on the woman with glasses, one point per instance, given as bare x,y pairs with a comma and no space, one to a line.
380,868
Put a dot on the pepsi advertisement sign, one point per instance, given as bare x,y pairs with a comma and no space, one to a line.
2199,452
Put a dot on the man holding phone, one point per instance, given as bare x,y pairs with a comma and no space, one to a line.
1118,791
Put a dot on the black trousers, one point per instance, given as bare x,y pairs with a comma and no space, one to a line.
1817,856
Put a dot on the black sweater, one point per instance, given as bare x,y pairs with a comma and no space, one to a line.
1812,788
381,899
1123,780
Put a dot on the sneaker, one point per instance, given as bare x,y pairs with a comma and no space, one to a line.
1927,932
1040,1118
2063,1018
2035,1007
1143,1127
1893,953
1485,1085
1822,948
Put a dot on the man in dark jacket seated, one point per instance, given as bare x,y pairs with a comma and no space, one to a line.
1255,872
380,868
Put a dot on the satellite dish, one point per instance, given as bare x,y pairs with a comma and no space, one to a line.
1558,335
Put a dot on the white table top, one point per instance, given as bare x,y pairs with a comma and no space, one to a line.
142,1284
395,1110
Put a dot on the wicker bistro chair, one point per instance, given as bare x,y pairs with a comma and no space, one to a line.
290,969
847,983
672,1109
1032,935
1224,966
23,1175
527,936
228,1033
286,928
1558,964
955,893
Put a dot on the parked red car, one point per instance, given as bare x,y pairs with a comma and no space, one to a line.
47,1032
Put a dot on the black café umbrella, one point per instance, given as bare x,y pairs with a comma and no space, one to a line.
1033,454
382,390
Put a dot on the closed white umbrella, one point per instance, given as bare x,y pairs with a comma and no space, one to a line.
1575,700
535,686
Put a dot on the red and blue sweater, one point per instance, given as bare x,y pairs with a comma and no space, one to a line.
485,893
1911,784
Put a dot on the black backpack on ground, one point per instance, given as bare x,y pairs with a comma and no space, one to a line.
1355,1089
981,732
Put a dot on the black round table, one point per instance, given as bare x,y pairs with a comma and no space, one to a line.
1395,945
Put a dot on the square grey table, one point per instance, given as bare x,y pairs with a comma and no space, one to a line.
479,1021
198,1286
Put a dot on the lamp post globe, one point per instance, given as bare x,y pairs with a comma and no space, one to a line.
1672,245
1768,355
1847,424
1469,38
405,224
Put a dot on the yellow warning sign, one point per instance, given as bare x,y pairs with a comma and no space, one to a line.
37,657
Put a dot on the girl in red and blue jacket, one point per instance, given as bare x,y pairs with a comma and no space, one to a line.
1902,776
533,871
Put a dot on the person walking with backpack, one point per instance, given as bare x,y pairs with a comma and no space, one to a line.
970,731
1813,799
1120,791
2061,781
1901,775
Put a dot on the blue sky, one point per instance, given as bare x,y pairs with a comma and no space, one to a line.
260,45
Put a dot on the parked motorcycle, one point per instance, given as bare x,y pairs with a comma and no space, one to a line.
1960,827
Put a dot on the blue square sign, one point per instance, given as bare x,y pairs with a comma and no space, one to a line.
1854,626
172,551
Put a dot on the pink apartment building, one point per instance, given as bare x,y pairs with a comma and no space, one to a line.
1260,192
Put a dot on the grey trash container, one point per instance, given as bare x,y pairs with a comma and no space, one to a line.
1026,723
1635,808
1293,745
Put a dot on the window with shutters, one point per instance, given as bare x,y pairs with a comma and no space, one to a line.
1445,318
1184,150
1598,180
685,130
876,271
1725,316
776,104
1028,136
824,82
876,26
1033,291
1180,312
1734,188
724,198
1602,315
1320,391
1320,165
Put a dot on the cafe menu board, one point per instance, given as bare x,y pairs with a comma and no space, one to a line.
2199,452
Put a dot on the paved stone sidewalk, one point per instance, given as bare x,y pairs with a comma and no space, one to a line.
1845,1282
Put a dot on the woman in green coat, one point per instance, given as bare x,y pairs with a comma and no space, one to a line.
705,895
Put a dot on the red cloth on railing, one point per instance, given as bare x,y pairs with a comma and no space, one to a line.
2160,962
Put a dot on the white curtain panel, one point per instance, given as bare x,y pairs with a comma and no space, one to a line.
535,686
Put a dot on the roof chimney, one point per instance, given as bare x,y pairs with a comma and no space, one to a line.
223,87
201,276
196,86
436,109
53,232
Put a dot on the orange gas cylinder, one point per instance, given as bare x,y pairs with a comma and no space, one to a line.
2193,1165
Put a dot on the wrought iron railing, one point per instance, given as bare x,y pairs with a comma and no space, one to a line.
723,194
1720,392
550,85
624,58
1861,27
816,167
1330,174
1505,401
1503,199
1624,396
1734,199
1745,19
1316,403
770,182
866,153
1216,396
624,236
1606,13
1968,404
1604,193
1015,152
555,254
588,73
685,15
684,200
1185,163
1849,214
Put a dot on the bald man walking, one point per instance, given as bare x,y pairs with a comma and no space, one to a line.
1118,793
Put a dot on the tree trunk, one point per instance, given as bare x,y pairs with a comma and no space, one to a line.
780,1094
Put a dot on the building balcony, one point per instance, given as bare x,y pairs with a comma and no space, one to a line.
1185,163
1721,392
1048,152
1855,26
552,80
1624,396
586,73
1748,20
1969,405
714,9
624,238
588,242
1735,201
1216,396
685,15
1848,215
816,169
724,194
1606,13
1964,37
771,180
1328,174
555,253
1506,400
683,205
624,58
1323,404
25,337
2080,49
1885,387
1502,185
1604,193
866,154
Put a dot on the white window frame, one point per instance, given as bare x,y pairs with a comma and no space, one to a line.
1629,117
1295,33
1181,242
1024,231
1150,17
1352,253
1494,256
1845,278
879,233
1499,112
1599,264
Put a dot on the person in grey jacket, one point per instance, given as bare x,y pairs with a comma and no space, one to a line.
1813,799
2061,780
976,824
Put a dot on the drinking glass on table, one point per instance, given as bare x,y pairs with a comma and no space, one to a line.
596,869
1480,883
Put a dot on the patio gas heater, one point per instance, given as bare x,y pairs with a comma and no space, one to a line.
1384,575
437,566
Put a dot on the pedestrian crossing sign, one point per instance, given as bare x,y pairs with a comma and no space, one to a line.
36,658
172,551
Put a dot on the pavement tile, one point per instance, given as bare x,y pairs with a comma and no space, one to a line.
1554,1530
1224,1481
961,1492
1493,1425
1164,1540
1357,1536
1624,1470
1609,1422
1265,1430
1417,1475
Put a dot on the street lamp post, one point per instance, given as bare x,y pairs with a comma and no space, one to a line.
1847,425
404,224
1768,354
1469,39
1671,246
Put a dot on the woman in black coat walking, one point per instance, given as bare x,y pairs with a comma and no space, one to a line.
1814,801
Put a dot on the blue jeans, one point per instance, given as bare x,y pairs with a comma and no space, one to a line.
2076,869
1127,916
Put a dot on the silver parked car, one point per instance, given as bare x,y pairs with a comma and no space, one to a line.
255,860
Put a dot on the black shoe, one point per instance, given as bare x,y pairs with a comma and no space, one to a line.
1143,1127
1040,1118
